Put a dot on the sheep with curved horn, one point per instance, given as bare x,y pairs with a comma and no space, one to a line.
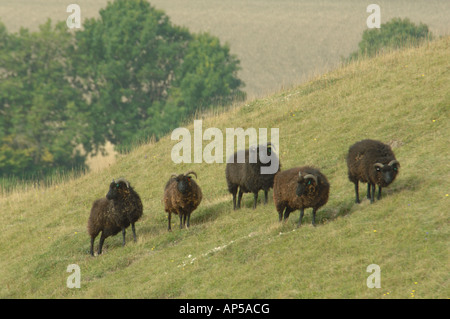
300,188
374,163
182,195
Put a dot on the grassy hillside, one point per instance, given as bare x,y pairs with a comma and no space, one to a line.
278,42
401,98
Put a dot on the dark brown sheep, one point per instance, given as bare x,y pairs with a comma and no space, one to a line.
374,163
121,207
182,196
300,188
248,176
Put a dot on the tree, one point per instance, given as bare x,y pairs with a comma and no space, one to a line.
43,117
393,34
137,68
128,74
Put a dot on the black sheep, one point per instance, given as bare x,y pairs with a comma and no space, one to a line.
300,188
374,163
182,196
121,207
248,176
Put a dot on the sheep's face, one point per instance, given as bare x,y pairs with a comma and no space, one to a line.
183,183
117,190
305,186
385,174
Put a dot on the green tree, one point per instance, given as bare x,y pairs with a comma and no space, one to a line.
136,67
393,34
208,75
128,74
43,117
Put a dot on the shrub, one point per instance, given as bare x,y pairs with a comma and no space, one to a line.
394,34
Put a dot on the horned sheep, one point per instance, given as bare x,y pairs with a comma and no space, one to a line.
300,188
182,195
372,162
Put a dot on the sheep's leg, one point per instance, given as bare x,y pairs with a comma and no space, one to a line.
368,190
234,192
123,236
372,195
255,199
134,231
170,219
239,198
287,212
266,195
379,193
181,220
92,246
100,245
280,213
188,219
357,192
314,217
302,212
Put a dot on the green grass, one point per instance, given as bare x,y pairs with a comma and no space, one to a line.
401,98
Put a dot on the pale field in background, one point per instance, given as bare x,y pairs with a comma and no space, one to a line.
280,43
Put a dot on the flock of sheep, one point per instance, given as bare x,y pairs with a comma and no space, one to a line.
368,161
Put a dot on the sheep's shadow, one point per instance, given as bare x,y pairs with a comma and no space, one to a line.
409,183
323,215
349,206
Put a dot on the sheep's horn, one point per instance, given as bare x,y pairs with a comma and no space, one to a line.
311,176
125,181
378,165
173,175
394,162
191,172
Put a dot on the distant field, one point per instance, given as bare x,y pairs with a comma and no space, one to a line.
280,43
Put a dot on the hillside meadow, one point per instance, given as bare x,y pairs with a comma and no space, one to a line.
401,98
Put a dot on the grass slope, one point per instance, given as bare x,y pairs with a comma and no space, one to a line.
401,98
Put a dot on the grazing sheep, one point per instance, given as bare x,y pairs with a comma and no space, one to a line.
374,163
182,196
300,188
121,207
247,176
